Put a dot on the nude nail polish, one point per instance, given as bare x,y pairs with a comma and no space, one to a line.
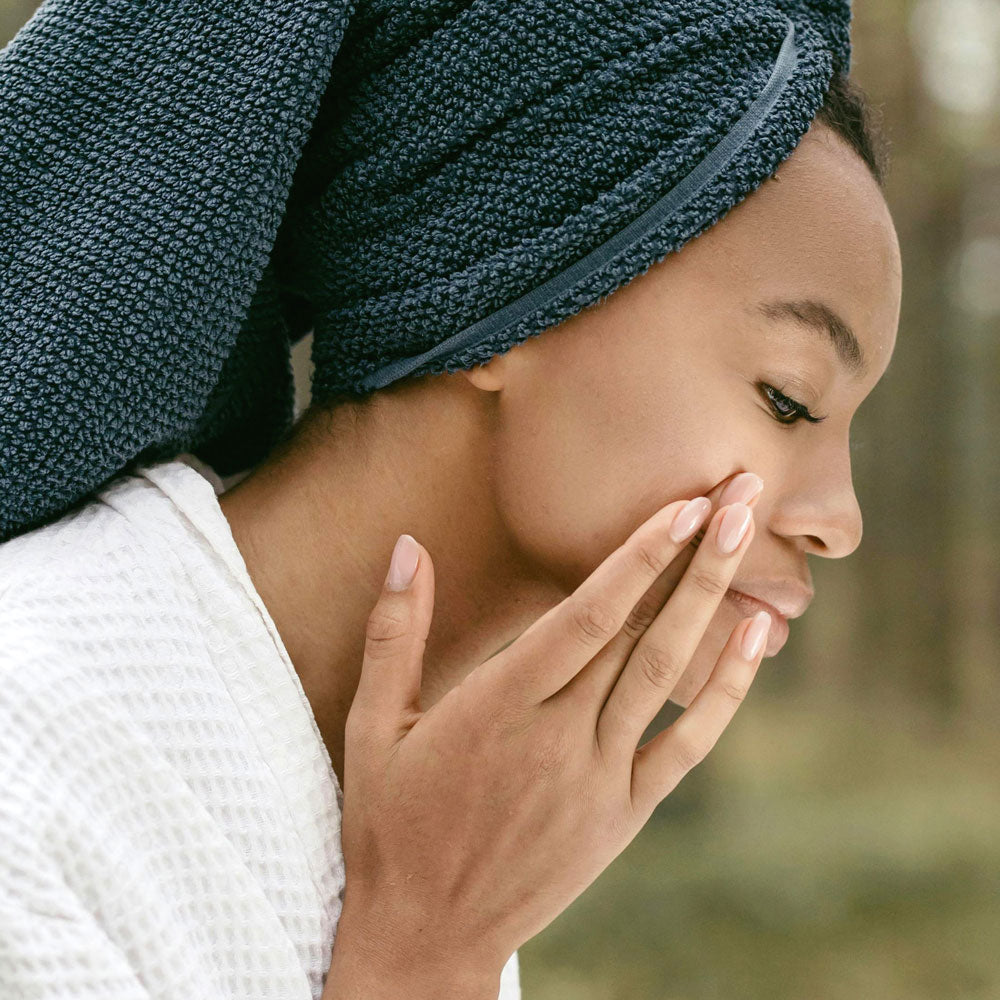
742,489
689,517
755,634
733,527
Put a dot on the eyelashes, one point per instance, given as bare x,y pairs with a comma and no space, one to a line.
785,409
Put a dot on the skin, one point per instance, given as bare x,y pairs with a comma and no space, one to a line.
520,476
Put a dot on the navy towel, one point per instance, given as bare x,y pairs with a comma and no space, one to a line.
188,188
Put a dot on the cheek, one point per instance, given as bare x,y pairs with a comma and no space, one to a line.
578,465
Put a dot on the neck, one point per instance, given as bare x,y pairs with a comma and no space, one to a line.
317,521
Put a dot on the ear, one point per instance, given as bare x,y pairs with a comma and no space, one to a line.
491,376
831,19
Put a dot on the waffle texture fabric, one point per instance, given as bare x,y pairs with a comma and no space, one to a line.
187,189
169,816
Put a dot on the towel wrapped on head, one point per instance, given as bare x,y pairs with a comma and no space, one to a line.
187,189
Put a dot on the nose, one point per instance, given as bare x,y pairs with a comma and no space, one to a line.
818,507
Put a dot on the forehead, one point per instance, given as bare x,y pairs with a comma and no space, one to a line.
819,230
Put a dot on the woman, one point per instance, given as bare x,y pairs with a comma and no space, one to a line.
200,681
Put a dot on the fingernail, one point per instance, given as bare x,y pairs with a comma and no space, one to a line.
689,518
403,565
733,527
742,489
755,634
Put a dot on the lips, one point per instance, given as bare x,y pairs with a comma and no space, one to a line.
788,597
778,633
782,598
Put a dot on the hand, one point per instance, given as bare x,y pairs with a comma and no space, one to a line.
469,827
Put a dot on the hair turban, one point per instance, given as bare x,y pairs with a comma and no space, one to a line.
187,189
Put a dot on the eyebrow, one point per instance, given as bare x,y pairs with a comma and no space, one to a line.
818,316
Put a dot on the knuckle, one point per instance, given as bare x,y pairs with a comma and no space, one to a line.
640,618
618,826
358,728
708,582
548,754
508,719
649,557
688,755
736,690
592,621
384,629
659,667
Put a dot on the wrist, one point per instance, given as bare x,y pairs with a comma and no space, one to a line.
373,958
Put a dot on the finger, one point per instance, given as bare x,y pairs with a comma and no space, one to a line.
563,640
660,764
591,687
388,691
665,649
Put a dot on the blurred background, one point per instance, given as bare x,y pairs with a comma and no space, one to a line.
842,841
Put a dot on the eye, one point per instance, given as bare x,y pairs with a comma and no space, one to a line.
786,409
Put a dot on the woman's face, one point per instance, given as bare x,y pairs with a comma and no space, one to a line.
659,392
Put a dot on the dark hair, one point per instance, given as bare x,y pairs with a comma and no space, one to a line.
847,110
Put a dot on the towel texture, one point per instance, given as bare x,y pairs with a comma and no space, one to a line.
188,188
170,822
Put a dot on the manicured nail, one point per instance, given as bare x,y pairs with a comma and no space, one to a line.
733,527
755,634
403,565
742,489
689,518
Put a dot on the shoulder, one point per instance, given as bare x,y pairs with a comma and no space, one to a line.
98,529
62,572
126,528
97,615
75,592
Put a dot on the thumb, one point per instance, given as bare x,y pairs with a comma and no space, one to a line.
396,635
